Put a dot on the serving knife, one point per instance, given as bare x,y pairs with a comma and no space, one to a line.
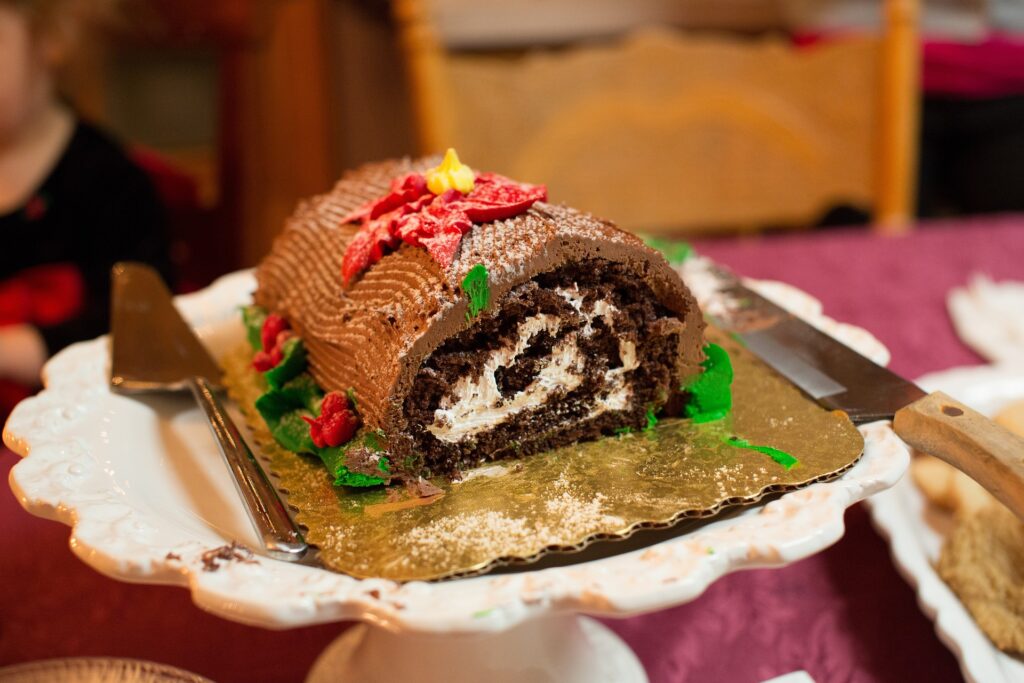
153,350
839,378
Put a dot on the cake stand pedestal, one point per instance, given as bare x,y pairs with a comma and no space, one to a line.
562,649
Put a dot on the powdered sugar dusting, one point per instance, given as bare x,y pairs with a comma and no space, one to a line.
489,534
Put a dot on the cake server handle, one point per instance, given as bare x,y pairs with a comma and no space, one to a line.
281,537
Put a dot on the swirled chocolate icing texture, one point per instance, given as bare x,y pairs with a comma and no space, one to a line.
587,328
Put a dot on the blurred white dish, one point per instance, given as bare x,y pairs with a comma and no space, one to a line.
989,317
916,529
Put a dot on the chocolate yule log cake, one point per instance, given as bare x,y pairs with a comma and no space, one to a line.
421,318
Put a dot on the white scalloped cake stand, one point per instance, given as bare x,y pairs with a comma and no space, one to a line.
145,492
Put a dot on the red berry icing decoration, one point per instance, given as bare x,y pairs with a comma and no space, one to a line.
274,333
411,213
272,327
337,423
263,361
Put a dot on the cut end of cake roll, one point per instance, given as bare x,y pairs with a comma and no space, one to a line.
570,354
546,328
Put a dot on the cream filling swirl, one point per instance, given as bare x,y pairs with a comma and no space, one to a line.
475,404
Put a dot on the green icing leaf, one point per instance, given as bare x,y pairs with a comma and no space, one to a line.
676,252
303,391
375,440
284,419
652,419
253,317
476,288
272,405
293,363
351,394
356,480
334,459
711,391
292,432
781,457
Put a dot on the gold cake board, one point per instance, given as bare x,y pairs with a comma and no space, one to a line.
519,510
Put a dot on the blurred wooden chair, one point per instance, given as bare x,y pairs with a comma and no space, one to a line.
268,114
667,131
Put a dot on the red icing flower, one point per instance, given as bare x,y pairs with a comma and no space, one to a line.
274,333
337,423
403,190
496,198
410,213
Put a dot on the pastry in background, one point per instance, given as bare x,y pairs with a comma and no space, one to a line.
982,560
1012,417
947,487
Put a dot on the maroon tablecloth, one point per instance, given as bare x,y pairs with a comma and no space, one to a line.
843,615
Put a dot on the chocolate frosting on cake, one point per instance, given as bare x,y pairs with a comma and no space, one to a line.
375,336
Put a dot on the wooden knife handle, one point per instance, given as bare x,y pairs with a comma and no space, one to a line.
981,449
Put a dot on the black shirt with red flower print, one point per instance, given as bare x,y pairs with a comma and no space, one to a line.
95,208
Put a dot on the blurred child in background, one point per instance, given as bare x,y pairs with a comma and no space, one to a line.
71,202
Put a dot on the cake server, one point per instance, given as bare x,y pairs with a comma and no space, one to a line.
839,378
153,349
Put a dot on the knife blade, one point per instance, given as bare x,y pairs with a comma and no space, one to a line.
839,378
154,349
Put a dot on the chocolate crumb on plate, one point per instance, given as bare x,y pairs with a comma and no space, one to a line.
421,488
234,552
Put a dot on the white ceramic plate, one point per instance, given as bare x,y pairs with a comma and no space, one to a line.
143,487
989,317
916,529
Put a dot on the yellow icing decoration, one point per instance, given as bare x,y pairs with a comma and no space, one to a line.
451,174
